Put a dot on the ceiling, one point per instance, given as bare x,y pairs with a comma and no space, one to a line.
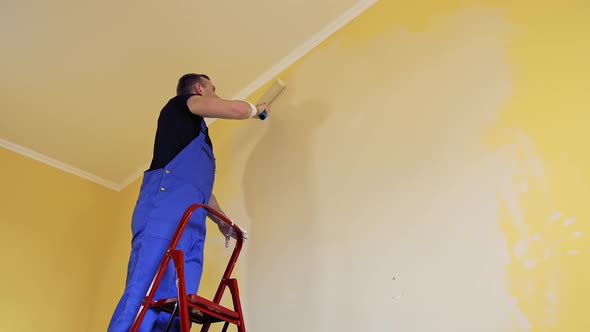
82,82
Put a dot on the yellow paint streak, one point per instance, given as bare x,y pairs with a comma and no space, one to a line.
548,59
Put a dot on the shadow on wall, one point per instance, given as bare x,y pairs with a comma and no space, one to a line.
279,198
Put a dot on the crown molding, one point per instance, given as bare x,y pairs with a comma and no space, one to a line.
133,176
58,164
342,20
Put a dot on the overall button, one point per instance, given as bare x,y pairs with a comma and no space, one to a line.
162,188
167,171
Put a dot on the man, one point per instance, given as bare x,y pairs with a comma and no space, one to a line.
182,173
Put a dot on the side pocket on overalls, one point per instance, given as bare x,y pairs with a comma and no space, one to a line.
145,202
209,156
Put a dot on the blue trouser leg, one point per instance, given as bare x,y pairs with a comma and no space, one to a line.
146,256
193,265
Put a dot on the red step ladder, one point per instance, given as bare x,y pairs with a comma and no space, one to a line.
191,307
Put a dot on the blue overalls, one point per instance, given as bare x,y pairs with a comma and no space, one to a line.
164,196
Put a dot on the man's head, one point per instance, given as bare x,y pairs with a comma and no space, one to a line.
196,83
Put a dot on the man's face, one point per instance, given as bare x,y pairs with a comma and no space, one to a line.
206,88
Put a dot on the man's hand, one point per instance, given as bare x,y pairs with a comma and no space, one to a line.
229,232
224,228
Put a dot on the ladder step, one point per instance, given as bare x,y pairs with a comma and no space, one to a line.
201,311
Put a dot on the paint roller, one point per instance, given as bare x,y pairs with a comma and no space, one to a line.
270,95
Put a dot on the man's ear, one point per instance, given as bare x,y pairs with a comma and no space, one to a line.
198,88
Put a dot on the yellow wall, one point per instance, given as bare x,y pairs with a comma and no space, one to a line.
53,228
111,284
424,170
65,243
540,139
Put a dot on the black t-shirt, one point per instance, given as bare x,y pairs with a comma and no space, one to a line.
177,127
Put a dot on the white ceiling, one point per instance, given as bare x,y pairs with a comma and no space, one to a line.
82,82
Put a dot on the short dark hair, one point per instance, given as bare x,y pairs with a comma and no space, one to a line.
186,82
